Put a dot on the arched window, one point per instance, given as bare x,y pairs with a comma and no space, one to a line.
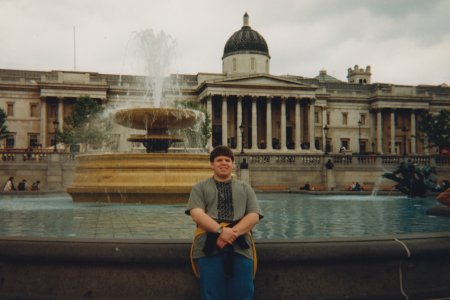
252,63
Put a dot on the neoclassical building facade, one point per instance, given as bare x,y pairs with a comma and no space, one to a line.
250,108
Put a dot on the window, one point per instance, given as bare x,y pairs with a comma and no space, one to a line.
234,64
267,65
344,144
317,144
34,112
10,109
33,139
316,117
10,141
344,118
362,118
52,110
362,146
252,63
328,118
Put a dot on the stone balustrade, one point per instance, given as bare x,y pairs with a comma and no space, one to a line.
339,159
55,170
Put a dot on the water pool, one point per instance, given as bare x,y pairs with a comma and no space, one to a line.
287,216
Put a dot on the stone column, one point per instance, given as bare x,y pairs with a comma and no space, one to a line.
379,133
239,123
283,124
324,123
209,111
297,126
392,137
224,121
413,133
60,112
269,123
311,126
254,124
43,123
373,126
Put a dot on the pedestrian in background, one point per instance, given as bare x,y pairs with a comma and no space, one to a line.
9,186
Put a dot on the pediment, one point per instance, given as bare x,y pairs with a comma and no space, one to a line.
258,80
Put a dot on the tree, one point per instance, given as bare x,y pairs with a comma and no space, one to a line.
86,125
204,126
436,129
3,128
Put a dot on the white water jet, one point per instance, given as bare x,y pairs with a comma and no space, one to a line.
155,53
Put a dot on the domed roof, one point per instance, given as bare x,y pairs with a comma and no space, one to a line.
246,40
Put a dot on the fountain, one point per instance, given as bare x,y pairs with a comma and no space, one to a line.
412,180
155,177
156,122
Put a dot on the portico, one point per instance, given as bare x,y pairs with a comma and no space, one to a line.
277,114
396,125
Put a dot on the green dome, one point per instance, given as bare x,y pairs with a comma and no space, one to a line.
245,41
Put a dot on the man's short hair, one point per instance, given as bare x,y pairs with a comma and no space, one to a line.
221,151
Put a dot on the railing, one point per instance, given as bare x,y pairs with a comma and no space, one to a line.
41,155
344,160
306,160
442,160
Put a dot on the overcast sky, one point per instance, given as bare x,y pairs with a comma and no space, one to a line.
404,41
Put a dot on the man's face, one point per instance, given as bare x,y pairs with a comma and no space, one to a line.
222,166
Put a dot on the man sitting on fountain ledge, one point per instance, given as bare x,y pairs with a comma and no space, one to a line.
225,210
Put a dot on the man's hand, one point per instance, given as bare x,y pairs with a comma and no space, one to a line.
228,236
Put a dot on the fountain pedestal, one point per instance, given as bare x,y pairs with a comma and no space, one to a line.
151,178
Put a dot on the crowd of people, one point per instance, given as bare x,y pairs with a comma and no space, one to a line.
22,186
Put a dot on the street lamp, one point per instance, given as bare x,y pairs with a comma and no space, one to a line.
325,145
241,128
359,136
55,124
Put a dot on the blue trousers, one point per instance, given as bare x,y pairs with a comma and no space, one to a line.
214,285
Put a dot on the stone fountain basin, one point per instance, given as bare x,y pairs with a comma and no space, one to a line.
149,178
155,137
156,118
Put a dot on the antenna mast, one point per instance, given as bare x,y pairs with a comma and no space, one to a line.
74,51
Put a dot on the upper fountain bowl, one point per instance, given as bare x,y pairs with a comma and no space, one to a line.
156,118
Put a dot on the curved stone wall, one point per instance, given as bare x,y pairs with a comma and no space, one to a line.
396,267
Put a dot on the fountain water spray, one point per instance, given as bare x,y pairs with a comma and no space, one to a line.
156,52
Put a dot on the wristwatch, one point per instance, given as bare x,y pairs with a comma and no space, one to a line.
219,230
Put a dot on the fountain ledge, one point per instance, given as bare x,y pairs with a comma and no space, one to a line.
387,267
